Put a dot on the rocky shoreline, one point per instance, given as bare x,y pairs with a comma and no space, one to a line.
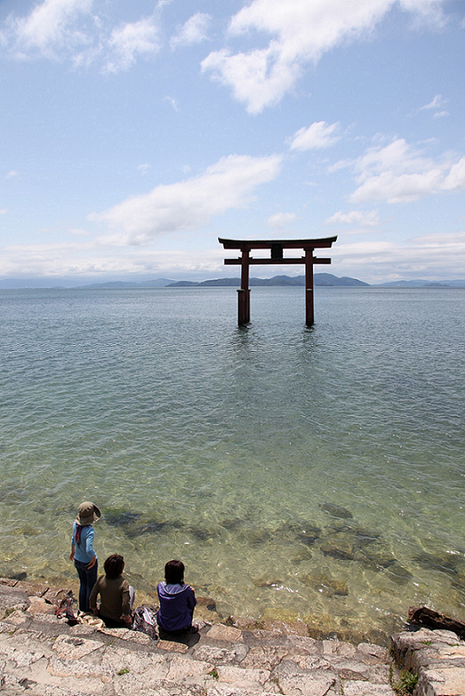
42,655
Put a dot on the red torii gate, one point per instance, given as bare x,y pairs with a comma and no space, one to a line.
276,257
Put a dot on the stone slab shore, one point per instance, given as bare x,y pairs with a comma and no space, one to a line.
42,655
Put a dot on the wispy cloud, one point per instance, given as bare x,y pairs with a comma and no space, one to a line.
230,183
440,255
317,136
436,106
129,41
72,30
143,168
280,220
301,32
173,102
355,217
194,31
50,26
399,173
437,103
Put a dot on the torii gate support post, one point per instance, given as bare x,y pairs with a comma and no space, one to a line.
309,306
243,295
276,247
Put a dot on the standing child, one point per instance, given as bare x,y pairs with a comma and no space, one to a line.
82,551
177,601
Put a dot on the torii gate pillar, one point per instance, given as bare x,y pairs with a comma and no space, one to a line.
309,306
276,257
243,295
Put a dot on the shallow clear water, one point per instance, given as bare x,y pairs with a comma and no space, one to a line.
299,473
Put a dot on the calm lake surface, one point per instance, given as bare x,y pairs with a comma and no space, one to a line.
299,473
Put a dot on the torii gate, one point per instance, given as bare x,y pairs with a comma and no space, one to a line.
276,257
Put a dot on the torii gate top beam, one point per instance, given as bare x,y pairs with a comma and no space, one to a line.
321,243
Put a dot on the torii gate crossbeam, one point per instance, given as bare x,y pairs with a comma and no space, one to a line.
277,257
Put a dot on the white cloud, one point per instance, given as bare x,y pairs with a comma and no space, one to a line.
143,168
437,256
317,136
186,205
3,211
437,103
86,258
301,32
194,31
355,217
130,40
172,101
399,173
455,180
68,29
280,220
49,26
11,174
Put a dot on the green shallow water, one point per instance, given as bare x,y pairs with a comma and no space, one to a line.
299,473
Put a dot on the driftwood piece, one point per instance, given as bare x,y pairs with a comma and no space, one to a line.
422,616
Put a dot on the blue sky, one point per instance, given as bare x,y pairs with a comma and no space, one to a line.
135,133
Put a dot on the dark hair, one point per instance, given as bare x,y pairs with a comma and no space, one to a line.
174,573
114,566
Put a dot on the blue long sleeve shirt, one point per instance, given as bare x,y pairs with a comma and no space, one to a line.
84,551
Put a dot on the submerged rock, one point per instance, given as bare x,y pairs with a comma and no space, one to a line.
150,527
309,535
430,562
324,583
266,582
304,554
398,573
234,523
200,534
342,552
375,560
121,518
336,511
365,536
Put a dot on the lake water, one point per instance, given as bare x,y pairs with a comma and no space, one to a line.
299,473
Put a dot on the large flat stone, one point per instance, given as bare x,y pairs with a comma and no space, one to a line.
243,677
75,647
186,671
62,667
441,682
294,681
362,688
172,646
228,633
221,655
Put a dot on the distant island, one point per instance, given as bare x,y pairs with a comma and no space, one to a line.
320,280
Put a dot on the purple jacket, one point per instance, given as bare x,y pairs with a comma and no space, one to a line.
177,604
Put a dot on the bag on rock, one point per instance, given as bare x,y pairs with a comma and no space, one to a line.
145,621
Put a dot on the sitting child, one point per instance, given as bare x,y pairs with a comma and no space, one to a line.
116,595
177,601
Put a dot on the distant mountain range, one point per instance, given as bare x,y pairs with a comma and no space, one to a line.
320,280
424,284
